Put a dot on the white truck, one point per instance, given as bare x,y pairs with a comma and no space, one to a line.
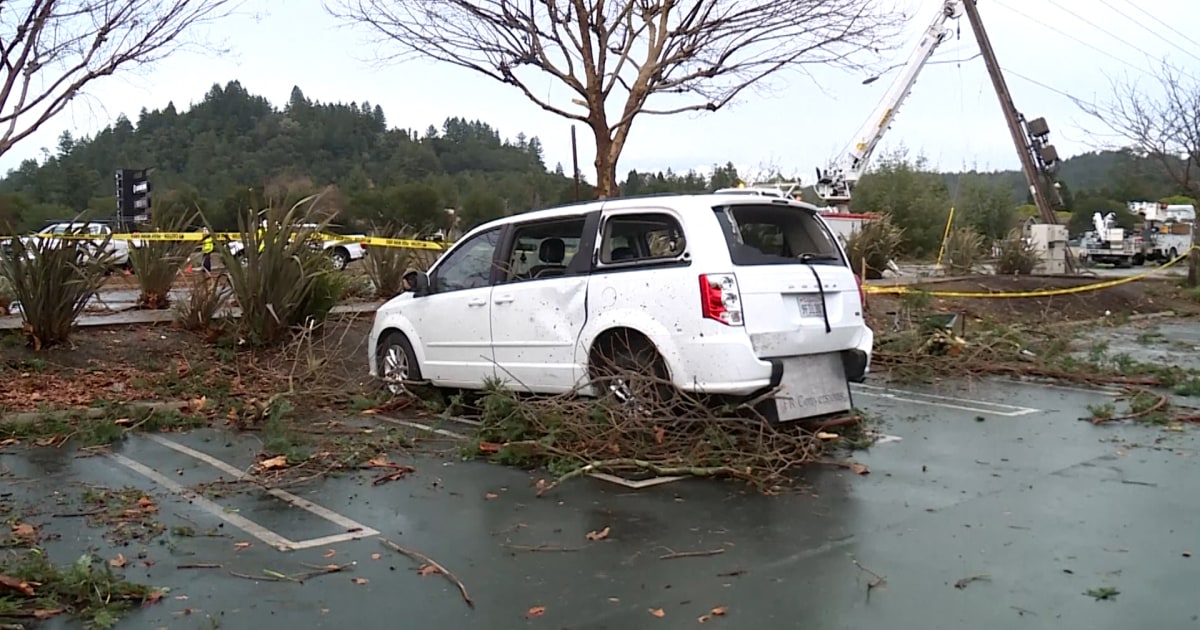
1167,228
1109,243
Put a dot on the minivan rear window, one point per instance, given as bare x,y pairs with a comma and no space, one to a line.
776,234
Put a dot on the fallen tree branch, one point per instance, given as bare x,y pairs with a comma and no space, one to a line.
622,463
690,554
420,557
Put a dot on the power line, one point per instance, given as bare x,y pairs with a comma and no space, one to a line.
1072,37
1092,24
1152,17
1073,99
1151,30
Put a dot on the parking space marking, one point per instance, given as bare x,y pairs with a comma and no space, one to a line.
237,520
947,402
354,529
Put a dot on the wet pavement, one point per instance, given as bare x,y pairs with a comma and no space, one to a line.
996,479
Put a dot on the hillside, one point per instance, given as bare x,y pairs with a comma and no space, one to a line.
233,140
223,151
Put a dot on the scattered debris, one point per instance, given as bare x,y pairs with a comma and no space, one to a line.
536,611
598,535
965,582
877,580
719,611
1103,593
658,612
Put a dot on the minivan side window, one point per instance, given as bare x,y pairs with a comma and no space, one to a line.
469,266
544,249
641,237
775,234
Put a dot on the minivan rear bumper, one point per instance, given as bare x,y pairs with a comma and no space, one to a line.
728,364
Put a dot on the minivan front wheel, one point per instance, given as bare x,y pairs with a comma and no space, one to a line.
397,363
627,368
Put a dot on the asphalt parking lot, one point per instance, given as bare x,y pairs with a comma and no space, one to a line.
988,505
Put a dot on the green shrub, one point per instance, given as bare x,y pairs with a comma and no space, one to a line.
207,297
284,279
965,250
1016,256
156,264
874,244
53,282
386,266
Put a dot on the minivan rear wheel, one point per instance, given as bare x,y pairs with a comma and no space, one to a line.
626,367
397,363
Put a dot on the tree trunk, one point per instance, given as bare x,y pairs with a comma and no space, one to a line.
606,164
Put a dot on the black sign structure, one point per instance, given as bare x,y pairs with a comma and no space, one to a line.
133,196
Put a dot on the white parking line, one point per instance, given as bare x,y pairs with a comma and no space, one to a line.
946,402
354,529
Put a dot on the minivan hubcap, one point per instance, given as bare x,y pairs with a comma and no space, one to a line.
395,368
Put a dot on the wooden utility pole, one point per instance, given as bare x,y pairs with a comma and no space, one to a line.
1020,136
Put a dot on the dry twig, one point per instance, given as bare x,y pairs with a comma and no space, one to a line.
420,557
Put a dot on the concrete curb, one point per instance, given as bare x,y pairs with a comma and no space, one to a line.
91,413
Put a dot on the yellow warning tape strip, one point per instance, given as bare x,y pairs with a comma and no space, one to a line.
371,241
877,290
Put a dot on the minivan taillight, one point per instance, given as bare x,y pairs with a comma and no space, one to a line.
862,293
720,298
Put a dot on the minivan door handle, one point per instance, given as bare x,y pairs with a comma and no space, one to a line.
477,302
503,299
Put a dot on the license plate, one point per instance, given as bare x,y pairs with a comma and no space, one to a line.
812,385
810,306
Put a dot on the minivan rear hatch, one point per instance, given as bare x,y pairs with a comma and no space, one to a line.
799,295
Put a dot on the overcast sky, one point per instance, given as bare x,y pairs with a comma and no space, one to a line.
952,116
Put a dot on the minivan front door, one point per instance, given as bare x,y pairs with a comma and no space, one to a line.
453,321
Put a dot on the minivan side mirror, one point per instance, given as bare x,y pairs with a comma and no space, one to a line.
417,282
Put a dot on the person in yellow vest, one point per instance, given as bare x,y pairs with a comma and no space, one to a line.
206,249
261,234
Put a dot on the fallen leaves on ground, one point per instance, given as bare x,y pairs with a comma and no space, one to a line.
860,469
376,556
536,611
18,585
598,535
329,554
241,545
719,611
34,391
24,530
119,561
491,495
658,612
489,447
147,504
46,613
272,463
427,569
359,581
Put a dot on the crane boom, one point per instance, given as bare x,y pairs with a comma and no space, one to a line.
836,183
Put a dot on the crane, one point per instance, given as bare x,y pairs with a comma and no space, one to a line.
836,183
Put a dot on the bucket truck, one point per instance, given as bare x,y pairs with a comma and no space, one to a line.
1108,243
836,183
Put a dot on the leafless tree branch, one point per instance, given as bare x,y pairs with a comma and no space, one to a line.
50,50
633,56
1161,123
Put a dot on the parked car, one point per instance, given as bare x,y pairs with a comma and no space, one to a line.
100,233
722,294
342,250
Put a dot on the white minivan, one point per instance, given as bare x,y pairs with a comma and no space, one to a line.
735,296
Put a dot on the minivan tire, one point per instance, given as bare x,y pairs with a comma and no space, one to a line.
619,354
394,353
340,258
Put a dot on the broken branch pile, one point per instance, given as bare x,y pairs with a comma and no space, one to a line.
676,436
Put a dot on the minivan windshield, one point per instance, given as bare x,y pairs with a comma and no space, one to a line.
776,234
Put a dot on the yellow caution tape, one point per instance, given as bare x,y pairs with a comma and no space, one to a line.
375,241
1107,284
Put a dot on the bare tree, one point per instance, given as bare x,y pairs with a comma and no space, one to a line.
1163,124
622,58
50,50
